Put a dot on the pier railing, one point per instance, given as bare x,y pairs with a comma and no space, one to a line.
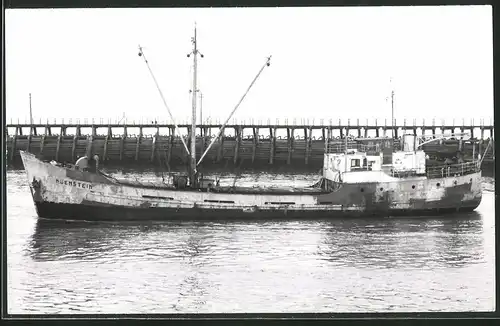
315,122
315,129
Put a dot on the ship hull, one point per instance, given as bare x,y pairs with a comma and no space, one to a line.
90,212
61,193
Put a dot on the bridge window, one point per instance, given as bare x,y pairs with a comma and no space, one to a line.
355,163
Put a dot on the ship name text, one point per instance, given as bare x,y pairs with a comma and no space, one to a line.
74,184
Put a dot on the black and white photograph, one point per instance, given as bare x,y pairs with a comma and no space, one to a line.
250,160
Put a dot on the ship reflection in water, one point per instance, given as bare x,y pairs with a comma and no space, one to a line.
66,240
367,265
405,243
180,243
391,243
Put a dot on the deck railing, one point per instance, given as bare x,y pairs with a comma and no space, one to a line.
441,171
341,147
450,170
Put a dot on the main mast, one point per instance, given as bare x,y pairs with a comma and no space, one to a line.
192,169
392,109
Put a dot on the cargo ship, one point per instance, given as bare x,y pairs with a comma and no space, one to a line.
352,184
356,180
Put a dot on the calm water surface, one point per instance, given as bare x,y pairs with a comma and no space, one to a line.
372,265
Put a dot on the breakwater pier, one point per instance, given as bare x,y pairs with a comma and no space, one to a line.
284,142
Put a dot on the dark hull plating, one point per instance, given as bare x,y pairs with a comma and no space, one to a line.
108,213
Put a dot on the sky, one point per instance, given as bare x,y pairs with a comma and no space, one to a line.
327,63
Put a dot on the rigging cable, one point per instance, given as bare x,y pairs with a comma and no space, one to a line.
141,54
234,110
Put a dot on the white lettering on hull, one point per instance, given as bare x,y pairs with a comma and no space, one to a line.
73,183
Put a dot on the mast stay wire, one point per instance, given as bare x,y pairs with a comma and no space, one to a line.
234,110
141,54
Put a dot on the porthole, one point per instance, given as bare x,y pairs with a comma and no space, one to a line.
362,190
381,189
438,184
413,187
455,182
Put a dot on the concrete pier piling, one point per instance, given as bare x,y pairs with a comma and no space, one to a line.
302,143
